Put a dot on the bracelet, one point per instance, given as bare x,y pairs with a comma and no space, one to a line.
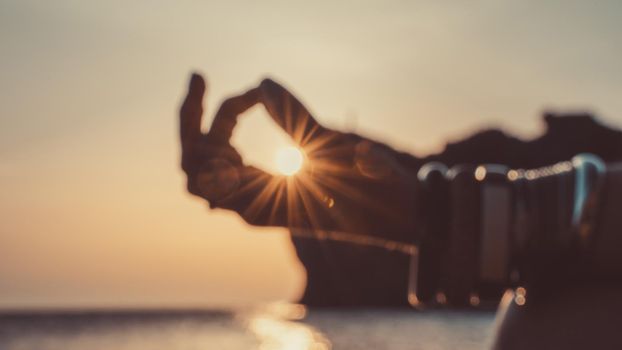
488,228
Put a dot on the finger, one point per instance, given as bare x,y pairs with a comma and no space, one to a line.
217,179
289,113
227,115
190,114
212,150
208,163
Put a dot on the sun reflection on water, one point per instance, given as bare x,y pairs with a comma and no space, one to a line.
277,328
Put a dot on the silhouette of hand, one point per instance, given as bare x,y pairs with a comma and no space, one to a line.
350,184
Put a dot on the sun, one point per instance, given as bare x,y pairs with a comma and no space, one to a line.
289,160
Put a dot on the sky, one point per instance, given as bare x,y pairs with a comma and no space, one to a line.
93,208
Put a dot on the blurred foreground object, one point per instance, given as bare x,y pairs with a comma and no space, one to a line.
579,317
575,304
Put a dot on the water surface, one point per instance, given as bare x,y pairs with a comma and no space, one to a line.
272,327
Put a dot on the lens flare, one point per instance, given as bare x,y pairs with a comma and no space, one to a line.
289,160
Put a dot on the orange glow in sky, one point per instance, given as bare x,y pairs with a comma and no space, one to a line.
93,203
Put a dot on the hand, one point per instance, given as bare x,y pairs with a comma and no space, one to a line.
351,184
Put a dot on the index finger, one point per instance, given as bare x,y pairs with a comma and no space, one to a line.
289,113
227,115
191,113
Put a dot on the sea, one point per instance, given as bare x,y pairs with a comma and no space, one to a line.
267,327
